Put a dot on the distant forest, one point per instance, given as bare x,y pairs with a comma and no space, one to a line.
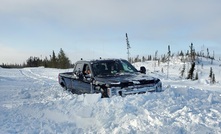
190,55
62,61
55,61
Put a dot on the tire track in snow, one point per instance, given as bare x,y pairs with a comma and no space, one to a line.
38,79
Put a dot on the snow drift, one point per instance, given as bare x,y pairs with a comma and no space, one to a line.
32,101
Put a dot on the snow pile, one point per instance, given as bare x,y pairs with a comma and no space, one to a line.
32,101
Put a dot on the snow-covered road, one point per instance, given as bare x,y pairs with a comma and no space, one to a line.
32,101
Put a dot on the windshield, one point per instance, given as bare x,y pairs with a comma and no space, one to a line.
112,67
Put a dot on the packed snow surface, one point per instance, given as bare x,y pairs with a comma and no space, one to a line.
32,101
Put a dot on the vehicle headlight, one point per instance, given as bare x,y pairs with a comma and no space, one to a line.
113,91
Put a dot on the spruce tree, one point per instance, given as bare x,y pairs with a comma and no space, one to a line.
190,73
168,58
208,53
46,62
181,53
128,47
196,77
211,73
213,79
143,59
54,60
191,51
183,70
63,60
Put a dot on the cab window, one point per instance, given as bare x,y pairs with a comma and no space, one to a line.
78,67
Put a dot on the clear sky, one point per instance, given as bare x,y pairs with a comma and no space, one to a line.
96,28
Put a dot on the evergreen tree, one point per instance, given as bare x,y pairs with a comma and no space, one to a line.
63,60
137,59
128,47
190,73
212,58
54,60
150,58
213,79
181,53
158,62
187,53
34,62
168,58
155,57
192,53
131,60
143,59
211,73
208,53
163,58
46,62
183,70
196,77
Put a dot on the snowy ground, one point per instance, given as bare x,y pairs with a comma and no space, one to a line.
32,101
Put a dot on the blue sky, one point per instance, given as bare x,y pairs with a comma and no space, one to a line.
96,28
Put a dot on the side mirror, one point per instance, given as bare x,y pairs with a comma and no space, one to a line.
143,70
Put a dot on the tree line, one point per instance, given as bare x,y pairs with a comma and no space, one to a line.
191,57
54,61
188,56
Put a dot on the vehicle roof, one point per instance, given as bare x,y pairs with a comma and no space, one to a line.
97,60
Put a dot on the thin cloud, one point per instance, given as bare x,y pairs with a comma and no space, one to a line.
84,22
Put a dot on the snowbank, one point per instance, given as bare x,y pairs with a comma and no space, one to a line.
31,101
